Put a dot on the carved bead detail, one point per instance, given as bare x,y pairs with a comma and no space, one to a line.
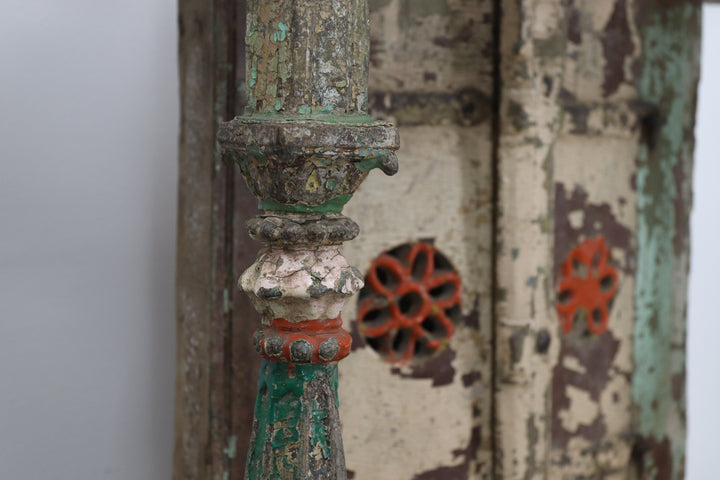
274,346
307,229
328,349
313,341
301,351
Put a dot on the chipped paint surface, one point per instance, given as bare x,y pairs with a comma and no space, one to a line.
588,89
431,46
532,56
300,284
311,341
590,117
304,166
598,364
430,73
296,424
214,400
438,412
431,61
306,56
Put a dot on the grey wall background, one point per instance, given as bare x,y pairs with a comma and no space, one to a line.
703,345
88,133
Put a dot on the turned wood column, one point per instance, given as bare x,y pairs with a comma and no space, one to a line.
304,145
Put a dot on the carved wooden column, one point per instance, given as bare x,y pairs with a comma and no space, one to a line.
304,145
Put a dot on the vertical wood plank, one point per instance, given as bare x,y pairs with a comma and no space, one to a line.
217,368
670,33
594,206
595,147
194,266
532,51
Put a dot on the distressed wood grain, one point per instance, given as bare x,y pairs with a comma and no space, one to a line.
216,367
532,53
194,268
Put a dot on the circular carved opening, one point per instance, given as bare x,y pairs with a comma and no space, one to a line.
587,289
410,304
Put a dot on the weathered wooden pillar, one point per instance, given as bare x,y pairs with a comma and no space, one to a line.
304,145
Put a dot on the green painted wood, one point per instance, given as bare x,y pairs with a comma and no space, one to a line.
670,41
307,56
307,72
296,432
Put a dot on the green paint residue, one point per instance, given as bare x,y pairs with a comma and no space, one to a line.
304,110
281,33
332,206
668,82
281,410
252,80
372,159
253,75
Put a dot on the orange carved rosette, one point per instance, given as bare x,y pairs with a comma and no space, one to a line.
408,305
589,284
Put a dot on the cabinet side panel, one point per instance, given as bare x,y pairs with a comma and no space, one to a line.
431,74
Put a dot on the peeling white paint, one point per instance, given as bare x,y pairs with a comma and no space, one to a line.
582,411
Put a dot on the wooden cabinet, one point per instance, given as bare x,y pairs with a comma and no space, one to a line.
546,155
